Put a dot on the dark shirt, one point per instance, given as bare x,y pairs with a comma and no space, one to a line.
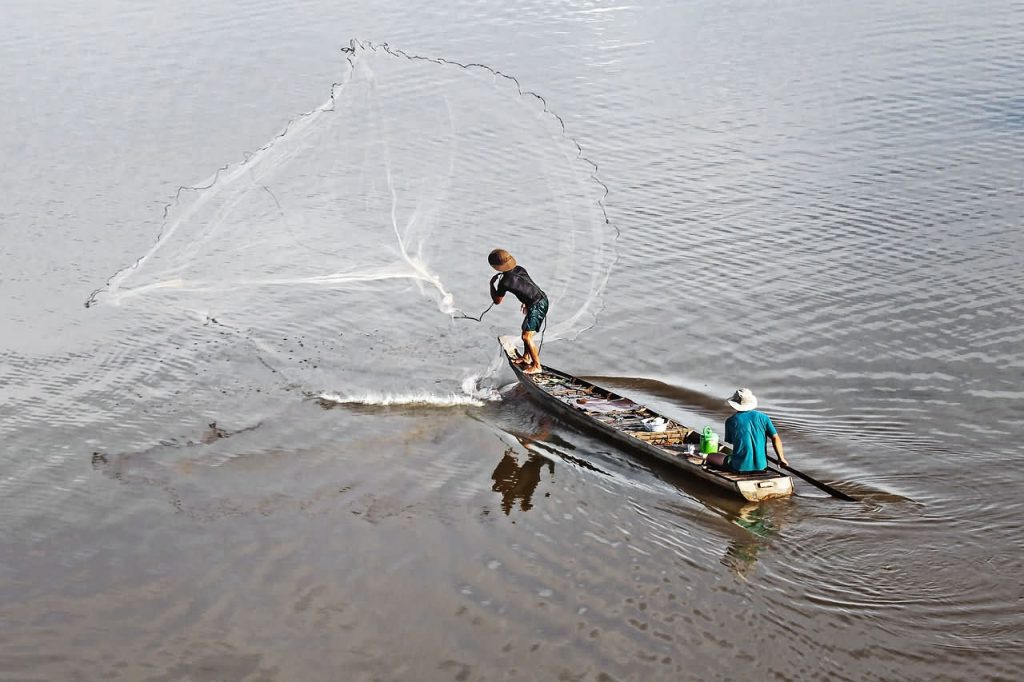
518,281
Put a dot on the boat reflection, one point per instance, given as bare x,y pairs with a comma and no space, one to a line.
762,523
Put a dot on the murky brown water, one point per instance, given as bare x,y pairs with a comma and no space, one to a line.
821,202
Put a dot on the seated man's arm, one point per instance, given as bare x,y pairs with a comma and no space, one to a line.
777,444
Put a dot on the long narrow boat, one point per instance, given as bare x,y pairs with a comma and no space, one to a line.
622,421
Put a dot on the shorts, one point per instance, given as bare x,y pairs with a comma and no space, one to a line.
535,314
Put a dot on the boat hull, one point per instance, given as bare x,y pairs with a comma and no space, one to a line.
619,420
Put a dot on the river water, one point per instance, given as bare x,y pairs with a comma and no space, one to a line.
275,451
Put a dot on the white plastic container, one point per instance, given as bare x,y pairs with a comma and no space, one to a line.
655,424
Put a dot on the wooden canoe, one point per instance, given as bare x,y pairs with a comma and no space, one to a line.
620,420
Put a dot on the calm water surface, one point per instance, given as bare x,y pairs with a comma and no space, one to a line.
823,201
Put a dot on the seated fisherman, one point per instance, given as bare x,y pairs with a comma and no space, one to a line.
748,431
514,278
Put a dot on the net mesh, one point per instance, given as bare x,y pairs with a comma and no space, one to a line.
345,254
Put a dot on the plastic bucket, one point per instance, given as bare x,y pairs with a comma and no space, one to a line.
708,441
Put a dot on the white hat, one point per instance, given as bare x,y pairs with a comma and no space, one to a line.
742,400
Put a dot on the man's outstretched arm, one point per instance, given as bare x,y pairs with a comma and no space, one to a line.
495,296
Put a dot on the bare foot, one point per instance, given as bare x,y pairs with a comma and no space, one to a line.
533,369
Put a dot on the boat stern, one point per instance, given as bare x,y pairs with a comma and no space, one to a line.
757,490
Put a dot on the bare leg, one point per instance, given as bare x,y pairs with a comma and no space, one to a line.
531,352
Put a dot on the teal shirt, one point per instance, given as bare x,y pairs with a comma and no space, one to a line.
748,432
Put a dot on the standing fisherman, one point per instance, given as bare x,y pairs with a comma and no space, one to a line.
514,278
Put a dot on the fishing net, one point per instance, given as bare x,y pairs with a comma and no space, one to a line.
347,253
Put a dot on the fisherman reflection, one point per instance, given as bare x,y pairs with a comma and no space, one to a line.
517,481
761,521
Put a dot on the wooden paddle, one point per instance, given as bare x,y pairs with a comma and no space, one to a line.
824,486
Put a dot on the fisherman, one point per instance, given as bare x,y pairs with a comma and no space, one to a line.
749,430
514,278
